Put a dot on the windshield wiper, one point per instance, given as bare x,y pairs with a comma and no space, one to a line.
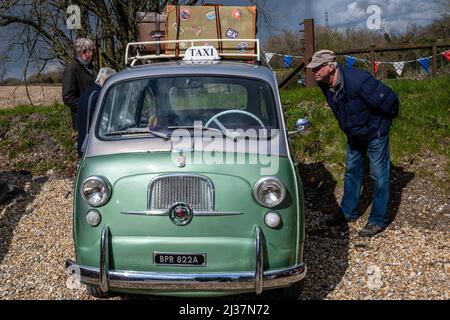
232,135
139,131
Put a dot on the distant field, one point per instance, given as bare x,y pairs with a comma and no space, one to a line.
11,96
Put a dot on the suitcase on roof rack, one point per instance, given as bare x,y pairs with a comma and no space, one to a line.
212,22
149,30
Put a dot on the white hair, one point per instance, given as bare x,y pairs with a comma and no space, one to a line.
81,45
103,74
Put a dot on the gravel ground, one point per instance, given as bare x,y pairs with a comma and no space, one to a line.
409,260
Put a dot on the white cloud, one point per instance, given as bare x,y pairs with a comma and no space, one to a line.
355,11
395,12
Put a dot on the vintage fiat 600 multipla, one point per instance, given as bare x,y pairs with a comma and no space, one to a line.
187,186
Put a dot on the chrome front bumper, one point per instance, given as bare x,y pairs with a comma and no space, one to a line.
257,280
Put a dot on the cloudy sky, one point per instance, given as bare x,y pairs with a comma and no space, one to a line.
395,16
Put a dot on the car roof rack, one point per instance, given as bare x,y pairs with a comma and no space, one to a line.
148,58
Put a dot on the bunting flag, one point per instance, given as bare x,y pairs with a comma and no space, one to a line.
349,61
398,66
446,55
425,63
287,61
269,56
376,66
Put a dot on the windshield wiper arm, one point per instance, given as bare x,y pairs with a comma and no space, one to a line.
231,135
139,131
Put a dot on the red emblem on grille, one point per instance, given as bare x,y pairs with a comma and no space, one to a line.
180,212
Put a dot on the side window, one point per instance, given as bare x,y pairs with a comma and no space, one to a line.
131,104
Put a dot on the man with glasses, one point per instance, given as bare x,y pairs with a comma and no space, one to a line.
79,74
364,108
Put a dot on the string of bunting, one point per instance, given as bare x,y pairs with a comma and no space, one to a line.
398,65
287,59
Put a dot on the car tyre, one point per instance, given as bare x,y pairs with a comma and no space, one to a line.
96,292
293,291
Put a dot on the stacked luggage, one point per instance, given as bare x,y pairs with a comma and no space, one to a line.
199,22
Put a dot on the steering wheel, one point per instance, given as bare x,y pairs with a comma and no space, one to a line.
220,124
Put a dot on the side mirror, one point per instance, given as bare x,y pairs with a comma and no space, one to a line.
302,126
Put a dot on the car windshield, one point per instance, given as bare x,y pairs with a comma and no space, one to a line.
144,107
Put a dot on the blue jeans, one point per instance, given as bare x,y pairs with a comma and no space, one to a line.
378,152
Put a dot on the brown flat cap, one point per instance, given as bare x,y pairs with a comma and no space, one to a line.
321,57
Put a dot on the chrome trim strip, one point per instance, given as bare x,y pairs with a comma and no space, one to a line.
147,213
259,265
196,213
216,213
192,281
104,259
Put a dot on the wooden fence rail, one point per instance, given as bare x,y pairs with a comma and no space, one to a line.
373,49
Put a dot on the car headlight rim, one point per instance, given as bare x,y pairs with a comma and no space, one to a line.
106,196
265,181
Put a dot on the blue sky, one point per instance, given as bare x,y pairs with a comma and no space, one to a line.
396,15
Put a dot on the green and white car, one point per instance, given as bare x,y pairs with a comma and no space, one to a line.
187,186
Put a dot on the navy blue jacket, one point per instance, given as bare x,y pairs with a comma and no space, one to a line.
364,107
83,106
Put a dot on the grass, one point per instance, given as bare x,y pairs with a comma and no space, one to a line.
423,123
27,131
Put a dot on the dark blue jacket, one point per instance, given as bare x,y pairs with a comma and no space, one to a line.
364,107
83,106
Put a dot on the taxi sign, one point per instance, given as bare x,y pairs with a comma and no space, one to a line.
201,53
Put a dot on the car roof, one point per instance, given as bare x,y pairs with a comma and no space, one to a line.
177,68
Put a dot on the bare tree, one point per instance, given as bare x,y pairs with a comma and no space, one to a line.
41,27
443,7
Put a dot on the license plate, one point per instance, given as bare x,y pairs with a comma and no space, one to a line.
179,259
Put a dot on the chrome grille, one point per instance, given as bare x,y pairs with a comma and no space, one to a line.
195,190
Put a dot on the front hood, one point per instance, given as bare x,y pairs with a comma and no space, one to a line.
233,179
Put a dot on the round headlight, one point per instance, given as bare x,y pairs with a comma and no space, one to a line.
269,191
96,191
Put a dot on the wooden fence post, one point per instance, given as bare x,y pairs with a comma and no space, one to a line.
434,65
372,59
310,48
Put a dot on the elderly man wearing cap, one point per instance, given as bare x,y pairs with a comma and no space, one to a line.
364,108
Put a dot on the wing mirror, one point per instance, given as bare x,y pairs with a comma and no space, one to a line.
302,126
